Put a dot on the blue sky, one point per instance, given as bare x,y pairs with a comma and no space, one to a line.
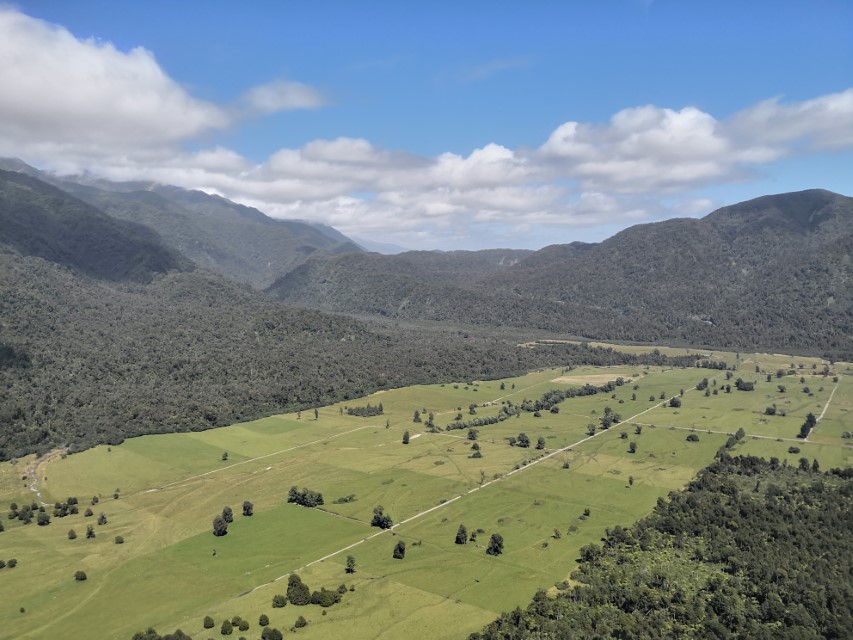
442,125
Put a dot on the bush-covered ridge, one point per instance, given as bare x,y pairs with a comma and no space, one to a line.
771,273
96,363
751,549
40,220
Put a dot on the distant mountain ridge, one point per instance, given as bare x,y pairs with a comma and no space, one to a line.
774,272
221,236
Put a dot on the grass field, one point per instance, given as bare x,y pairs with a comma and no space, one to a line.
171,571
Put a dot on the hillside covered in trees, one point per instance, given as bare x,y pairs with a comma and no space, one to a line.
751,549
86,361
218,235
771,273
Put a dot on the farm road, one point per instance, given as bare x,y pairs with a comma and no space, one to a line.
452,500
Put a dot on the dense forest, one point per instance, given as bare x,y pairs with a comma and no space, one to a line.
751,549
772,273
84,362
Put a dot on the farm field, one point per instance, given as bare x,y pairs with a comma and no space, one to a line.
171,571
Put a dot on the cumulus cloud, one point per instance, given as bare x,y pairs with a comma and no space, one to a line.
646,149
62,90
60,96
825,122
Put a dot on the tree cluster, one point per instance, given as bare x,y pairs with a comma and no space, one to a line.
367,411
306,497
380,518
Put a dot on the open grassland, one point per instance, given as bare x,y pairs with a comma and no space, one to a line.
171,571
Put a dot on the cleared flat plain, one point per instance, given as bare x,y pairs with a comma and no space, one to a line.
171,571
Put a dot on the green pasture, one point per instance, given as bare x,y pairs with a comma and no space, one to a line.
838,418
170,487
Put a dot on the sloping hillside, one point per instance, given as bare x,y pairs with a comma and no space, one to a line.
40,220
221,236
769,273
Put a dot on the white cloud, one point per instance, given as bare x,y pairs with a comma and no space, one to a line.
281,95
825,122
644,149
57,89
61,96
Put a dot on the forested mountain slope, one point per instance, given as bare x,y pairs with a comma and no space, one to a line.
234,240
85,361
40,220
771,273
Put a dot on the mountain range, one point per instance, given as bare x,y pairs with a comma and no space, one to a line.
770,273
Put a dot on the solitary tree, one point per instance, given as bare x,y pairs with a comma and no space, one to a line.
90,532
248,508
278,601
119,540
80,576
102,519
226,628
263,621
417,416
300,622
350,564
540,442
461,535
406,437
632,447
496,545
72,535
228,515
399,550
209,623
220,527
